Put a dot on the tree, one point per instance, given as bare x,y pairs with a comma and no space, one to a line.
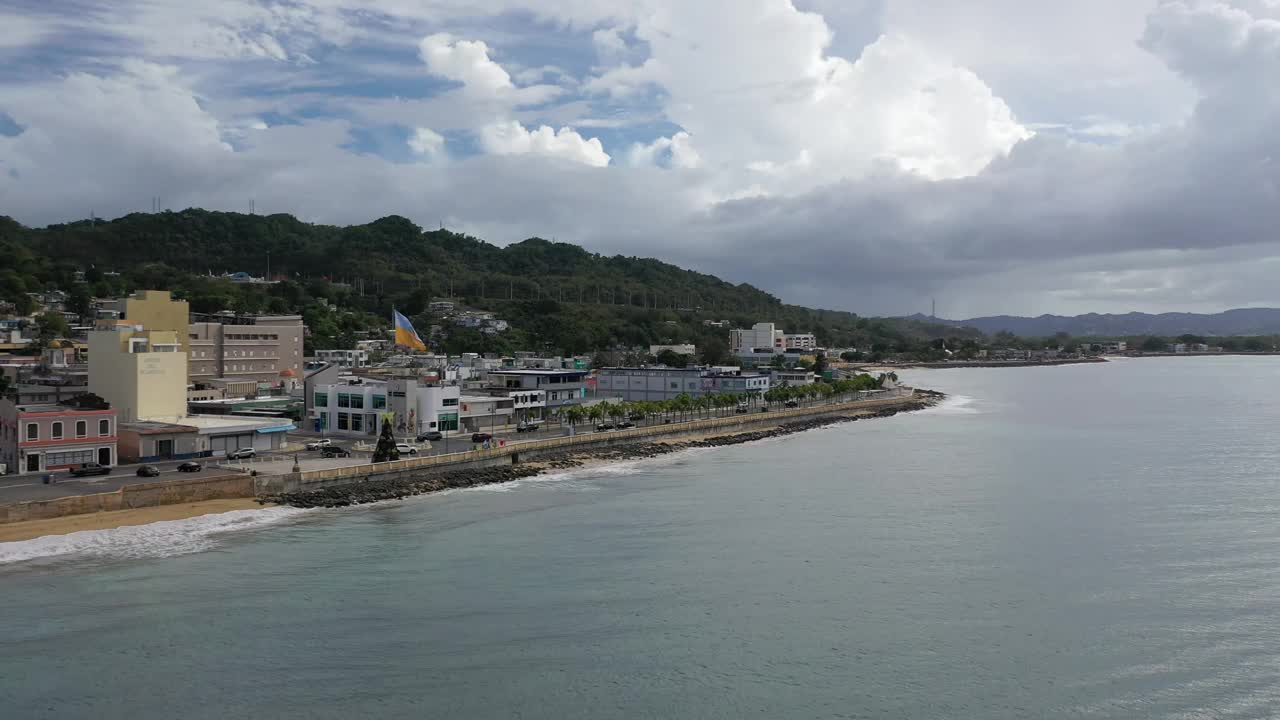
820,364
715,351
670,358
49,327
79,301
1153,344
778,361
386,450
87,401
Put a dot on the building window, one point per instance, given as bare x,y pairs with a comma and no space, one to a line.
357,422
104,428
449,402
33,431
82,428
344,421
75,457
57,431
379,402
357,401
322,399
344,400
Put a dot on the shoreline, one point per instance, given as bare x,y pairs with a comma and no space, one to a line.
374,491
112,519
380,491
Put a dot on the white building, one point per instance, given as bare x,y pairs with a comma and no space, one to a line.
344,358
685,349
761,335
356,407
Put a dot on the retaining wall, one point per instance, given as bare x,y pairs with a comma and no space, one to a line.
266,485
132,496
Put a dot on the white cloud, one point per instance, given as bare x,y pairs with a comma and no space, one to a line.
676,151
427,142
465,61
511,138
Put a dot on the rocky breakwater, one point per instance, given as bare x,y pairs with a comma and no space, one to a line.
370,491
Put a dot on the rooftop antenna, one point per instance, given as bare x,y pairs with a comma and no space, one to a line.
933,308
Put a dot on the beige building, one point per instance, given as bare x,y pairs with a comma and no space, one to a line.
157,310
233,351
141,373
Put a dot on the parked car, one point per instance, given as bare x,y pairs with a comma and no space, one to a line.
527,427
317,444
242,454
190,466
148,471
480,437
635,417
429,436
333,451
792,403
742,409
626,424
90,469
604,426
406,449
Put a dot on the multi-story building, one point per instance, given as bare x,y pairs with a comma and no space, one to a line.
562,387
140,373
761,336
42,438
356,407
246,348
656,384
344,358
800,341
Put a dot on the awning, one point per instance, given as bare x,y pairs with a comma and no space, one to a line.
282,428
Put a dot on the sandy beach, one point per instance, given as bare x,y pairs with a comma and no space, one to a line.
29,529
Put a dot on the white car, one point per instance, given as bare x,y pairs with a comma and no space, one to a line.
317,444
406,449
242,454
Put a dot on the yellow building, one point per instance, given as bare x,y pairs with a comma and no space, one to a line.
157,310
142,373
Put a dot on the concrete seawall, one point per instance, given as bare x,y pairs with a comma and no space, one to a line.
128,497
521,452
245,486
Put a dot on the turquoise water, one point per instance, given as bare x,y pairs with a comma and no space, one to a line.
1094,541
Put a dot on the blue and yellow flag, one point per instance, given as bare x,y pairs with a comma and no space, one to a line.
405,334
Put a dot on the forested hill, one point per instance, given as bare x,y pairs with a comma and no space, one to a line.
1243,321
558,296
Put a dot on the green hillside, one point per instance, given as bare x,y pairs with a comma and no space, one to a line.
345,280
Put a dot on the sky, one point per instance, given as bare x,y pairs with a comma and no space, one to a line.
1001,156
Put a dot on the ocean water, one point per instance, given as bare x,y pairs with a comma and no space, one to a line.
1097,541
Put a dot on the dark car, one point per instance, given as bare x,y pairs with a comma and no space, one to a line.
90,469
332,451
148,471
481,437
525,427
429,436
792,403
604,426
190,466
626,425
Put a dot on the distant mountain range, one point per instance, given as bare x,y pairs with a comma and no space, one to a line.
1244,321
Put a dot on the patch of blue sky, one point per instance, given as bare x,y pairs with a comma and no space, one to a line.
8,126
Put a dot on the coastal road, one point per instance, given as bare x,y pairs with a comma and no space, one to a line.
25,488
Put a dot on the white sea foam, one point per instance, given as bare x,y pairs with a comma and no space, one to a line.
954,405
159,539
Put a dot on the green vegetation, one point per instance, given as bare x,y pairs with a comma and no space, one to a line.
345,280
386,449
686,407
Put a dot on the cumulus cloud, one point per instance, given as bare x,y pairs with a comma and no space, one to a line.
894,168
464,61
676,151
427,143
512,138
